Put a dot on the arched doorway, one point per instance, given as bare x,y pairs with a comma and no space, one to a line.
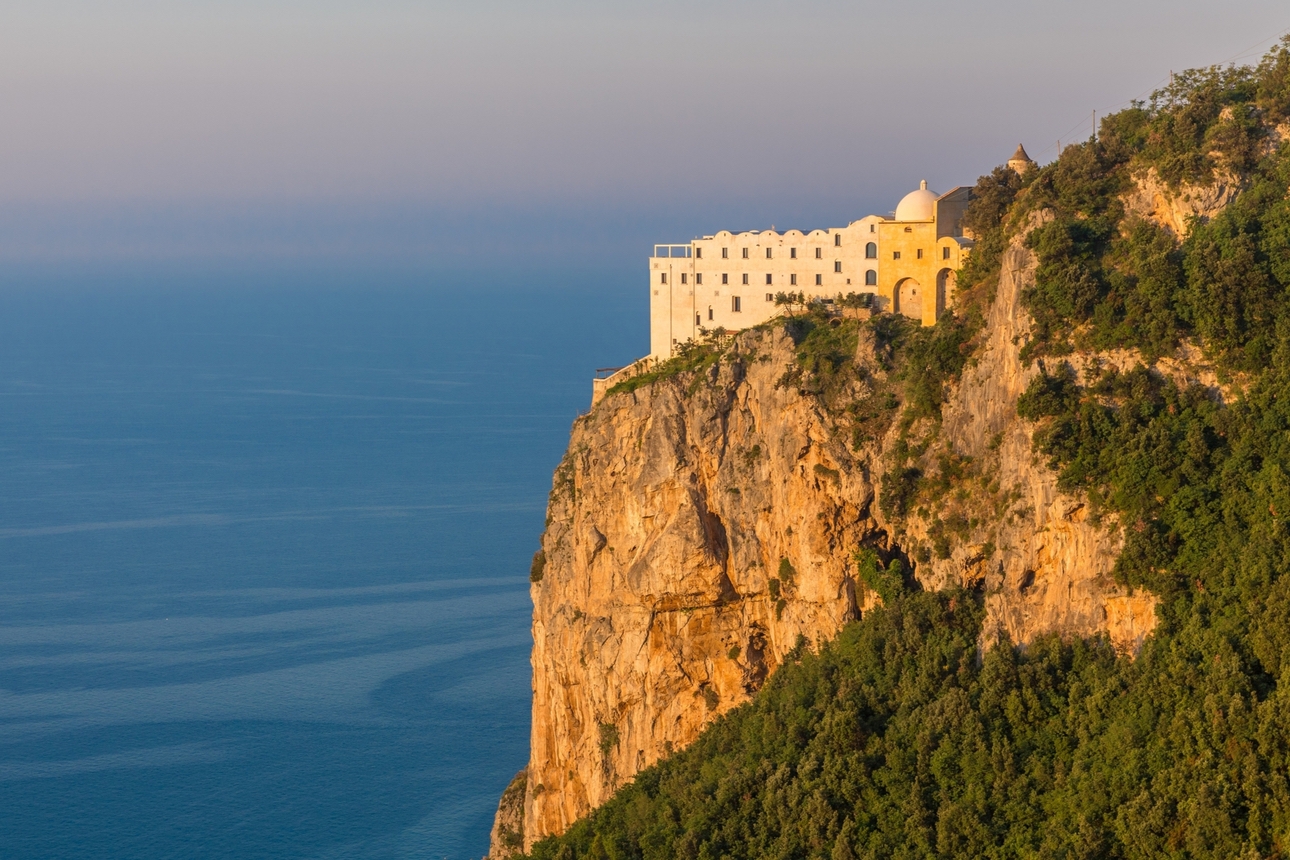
944,290
909,300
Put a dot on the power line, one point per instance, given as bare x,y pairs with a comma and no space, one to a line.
1257,47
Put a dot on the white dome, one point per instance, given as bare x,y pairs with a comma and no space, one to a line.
917,205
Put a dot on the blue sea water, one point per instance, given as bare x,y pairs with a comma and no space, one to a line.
264,542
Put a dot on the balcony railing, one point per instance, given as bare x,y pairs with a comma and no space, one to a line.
672,250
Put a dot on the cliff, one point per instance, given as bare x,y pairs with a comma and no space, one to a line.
1086,460
700,526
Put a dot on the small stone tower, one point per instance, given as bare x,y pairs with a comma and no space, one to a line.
1020,162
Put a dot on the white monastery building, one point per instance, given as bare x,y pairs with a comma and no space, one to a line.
729,280
906,263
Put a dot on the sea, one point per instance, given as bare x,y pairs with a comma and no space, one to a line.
265,535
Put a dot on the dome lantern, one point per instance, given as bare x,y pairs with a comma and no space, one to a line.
917,205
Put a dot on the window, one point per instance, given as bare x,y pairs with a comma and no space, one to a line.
895,255
870,278
768,255
698,277
819,280
698,320
725,279
837,239
662,277
698,253
837,265
920,253
745,253
819,252
709,312
745,278
871,251
792,280
873,228
792,253
683,276
725,253
770,297
945,252
735,304
769,280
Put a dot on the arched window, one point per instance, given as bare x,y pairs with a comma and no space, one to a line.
871,251
870,278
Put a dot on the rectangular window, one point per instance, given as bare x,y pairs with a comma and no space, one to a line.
837,239
770,297
745,278
945,252
895,255
709,312
819,253
683,278
792,280
698,253
735,304
873,228
725,279
837,265
768,254
662,277
725,253
769,280
745,253
819,280
792,253
698,277
920,253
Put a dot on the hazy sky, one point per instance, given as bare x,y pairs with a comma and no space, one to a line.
190,127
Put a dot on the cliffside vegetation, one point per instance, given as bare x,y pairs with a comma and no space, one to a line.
901,739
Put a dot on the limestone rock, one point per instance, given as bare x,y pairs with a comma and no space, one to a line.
698,528
1152,199
507,836
1045,564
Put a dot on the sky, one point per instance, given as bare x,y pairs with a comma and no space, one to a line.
570,130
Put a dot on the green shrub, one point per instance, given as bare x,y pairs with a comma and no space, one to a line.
787,573
608,738
887,581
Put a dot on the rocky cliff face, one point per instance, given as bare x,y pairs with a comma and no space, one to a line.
1044,564
701,526
698,528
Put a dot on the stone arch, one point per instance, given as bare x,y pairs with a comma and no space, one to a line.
871,251
945,283
909,298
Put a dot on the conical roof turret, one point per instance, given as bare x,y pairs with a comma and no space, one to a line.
1020,161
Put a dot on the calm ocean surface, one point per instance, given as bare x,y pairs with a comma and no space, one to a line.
264,543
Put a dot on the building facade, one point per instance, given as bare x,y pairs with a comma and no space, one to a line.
729,280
